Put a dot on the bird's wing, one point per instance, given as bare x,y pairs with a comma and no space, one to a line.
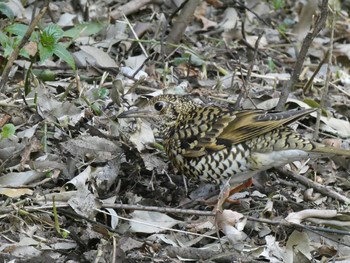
234,127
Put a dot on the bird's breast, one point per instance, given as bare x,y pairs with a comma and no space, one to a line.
213,167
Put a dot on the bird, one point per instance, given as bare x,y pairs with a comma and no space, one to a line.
217,144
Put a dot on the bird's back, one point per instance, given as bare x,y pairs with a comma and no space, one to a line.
215,144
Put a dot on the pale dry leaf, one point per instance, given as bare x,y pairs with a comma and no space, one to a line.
200,13
25,252
154,162
135,62
66,20
262,44
232,223
128,243
150,222
93,56
257,194
66,113
342,49
298,217
114,217
15,192
21,178
84,203
273,251
129,72
167,239
298,247
96,148
27,133
207,23
230,19
63,245
16,7
80,179
104,177
143,135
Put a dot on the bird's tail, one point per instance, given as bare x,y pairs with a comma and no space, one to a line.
330,151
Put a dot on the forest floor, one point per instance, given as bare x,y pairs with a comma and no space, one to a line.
77,184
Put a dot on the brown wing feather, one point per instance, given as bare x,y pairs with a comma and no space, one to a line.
236,127
250,124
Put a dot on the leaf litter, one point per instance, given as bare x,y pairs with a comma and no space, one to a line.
69,158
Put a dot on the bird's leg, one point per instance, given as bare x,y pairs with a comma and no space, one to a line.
237,189
225,194
241,187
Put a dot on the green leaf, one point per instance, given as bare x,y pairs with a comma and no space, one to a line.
103,93
189,57
51,35
17,29
86,29
24,53
180,60
61,52
312,103
45,52
3,39
96,109
271,64
45,75
8,49
278,4
7,131
10,45
4,9
35,36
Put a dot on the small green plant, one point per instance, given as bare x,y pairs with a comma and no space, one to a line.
278,4
7,131
271,64
47,40
282,29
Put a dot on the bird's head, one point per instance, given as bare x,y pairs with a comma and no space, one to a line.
165,109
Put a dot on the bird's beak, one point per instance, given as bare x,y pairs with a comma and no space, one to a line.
136,113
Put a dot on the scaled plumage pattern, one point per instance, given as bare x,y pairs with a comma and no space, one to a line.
215,143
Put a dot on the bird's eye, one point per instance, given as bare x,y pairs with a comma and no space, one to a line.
159,105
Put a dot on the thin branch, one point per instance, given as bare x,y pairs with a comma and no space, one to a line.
328,77
15,52
131,7
180,25
320,188
319,25
7,210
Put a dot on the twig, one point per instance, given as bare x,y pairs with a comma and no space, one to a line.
312,78
333,85
135,35
180,25
248,76
130,7
328,76
319,25
14,55
161,209
6,210
316,186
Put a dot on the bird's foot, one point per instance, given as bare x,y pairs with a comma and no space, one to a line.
224,197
